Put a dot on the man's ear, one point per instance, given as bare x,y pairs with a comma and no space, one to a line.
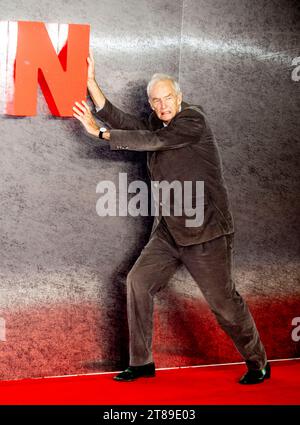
149,101
179,98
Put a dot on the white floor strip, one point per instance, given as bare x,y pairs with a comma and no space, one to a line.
162,368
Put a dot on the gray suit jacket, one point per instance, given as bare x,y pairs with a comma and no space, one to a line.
185,150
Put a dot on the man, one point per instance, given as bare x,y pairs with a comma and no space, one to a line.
180,146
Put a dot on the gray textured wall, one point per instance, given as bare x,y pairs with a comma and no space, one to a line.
63,268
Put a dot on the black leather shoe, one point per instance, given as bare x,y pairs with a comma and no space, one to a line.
256,376
135,372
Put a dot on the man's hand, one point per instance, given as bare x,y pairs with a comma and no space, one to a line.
91,67
94,90
83,113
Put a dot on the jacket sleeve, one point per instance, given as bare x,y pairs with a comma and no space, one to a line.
116,118
182,131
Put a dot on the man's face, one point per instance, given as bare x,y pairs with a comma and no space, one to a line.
164,100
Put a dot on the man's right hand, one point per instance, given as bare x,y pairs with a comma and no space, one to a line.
93,88
91,67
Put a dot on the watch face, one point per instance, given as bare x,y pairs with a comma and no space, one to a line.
102,129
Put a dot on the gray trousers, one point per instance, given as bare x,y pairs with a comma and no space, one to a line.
210,264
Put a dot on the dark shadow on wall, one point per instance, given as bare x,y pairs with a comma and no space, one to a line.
136,99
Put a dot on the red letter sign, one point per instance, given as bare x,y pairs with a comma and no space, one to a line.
62,76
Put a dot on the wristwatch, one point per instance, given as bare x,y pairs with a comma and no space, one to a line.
102,130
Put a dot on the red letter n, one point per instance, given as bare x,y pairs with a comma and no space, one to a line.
62,77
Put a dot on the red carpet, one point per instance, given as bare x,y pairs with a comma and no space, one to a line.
208,385
85,337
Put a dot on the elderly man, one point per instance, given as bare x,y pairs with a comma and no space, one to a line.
180,147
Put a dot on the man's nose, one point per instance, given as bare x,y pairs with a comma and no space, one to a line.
163,104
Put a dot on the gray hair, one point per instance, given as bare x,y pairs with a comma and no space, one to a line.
162,77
